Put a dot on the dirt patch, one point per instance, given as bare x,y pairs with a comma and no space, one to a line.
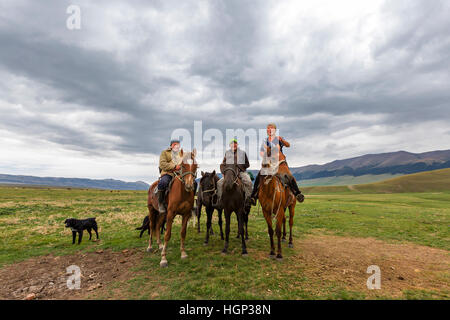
325,260
46,278
344,260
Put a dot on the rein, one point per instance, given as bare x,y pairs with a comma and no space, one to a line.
214,188
267,180
183,174
234,172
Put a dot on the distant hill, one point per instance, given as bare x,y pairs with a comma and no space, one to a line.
370,168
429,181
73,182
400,162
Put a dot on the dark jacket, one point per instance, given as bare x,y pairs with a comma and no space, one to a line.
238,157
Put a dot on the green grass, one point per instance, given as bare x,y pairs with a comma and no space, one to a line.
31,224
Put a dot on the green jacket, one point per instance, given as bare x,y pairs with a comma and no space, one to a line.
166,165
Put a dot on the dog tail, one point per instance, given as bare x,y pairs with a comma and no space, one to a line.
140,228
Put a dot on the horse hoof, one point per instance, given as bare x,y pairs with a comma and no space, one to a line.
283,240
184,256
163,264
279,257
205,243
290,245
272,256
149,249
245,254
224,252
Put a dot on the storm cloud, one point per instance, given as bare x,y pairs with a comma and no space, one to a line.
340,78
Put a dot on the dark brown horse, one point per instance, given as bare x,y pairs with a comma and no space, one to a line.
206,196
233,198
274,197
180,201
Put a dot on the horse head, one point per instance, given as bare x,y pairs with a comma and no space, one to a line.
189,169
230,176
208,183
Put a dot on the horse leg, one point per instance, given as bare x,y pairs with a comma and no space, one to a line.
284,230
168,233
278,232
151,226
270,231
219,211
209,212
241,231
199,213
246,225
159,228
291,223
227,230
183,236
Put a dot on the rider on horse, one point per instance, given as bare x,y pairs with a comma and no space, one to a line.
239,157
169,162
274,144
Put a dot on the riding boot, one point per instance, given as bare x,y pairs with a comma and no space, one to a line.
295,190
161,201
254,195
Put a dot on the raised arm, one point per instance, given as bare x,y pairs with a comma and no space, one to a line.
285,143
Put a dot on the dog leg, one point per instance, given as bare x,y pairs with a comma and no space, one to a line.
74,236
96,232
90,234
80,236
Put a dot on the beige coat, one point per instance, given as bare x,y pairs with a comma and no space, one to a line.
166,163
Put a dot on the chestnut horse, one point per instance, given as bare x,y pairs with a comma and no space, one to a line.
180,201
274,197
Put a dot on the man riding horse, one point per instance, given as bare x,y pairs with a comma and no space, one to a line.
169,164
239,157
269,149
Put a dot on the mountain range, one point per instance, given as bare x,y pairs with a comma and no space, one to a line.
111,184
363,169
370,167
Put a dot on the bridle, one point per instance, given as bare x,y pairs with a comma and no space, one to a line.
213,190
234,172
180,176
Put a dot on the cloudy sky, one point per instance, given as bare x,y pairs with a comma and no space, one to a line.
339,78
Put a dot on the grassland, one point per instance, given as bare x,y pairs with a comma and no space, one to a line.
361,228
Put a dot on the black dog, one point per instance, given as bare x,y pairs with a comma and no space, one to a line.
146,226
79,226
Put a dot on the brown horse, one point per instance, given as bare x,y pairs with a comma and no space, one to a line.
233,197
275,197
180,201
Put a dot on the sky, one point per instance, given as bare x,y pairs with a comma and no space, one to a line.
339,78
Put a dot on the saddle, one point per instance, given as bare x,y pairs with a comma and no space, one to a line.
155,191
